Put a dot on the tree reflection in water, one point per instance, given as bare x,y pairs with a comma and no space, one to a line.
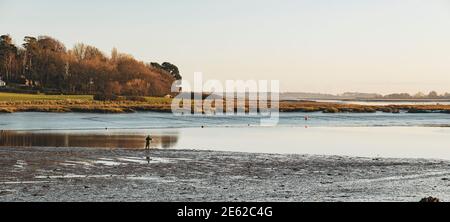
41,139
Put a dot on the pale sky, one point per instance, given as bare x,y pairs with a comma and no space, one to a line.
325,46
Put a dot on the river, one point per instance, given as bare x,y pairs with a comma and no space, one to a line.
365,135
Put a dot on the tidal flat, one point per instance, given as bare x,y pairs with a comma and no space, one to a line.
90,174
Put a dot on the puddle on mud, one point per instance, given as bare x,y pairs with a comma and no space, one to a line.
23,182
119,161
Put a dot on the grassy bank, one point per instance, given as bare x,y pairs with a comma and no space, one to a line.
11,102
12,97
305,106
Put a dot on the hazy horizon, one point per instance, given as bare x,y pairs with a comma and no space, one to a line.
310,46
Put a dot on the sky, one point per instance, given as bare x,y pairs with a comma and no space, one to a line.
326,46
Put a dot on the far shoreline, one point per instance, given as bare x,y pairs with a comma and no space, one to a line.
285,106
15,102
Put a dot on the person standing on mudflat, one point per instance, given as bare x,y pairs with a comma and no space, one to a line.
147,142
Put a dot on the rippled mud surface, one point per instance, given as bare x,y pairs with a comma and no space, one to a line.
88,174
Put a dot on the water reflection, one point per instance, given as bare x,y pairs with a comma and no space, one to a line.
397,142
147,156
30,139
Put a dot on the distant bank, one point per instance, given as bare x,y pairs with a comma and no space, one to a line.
12,102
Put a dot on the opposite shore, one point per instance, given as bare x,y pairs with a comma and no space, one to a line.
10,103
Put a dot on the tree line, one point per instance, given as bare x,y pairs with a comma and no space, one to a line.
420,95
45,64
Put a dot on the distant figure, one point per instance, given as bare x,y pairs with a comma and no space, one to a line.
306,118
147,142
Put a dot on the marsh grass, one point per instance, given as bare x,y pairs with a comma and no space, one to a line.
35,97
11,102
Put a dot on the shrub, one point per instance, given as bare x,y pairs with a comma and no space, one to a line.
105,97
429,200
136,98
369,110
331,110
309,109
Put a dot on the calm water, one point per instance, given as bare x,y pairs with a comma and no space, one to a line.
385,103
98,139
149,120
368,135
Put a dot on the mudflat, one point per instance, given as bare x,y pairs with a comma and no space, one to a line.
90,174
